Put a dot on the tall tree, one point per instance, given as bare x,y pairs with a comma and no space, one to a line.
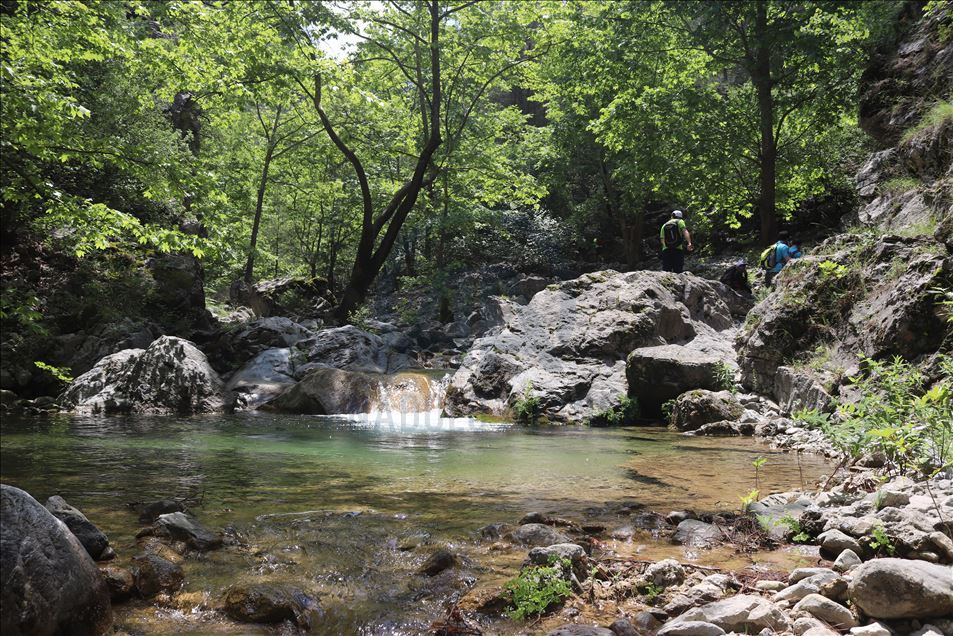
403,49
802,60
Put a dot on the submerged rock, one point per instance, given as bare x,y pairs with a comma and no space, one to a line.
92,538
437,562
184,527
149,512
171,376
698,534
270,603
155,574
48,582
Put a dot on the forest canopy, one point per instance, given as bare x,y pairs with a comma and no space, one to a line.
345,139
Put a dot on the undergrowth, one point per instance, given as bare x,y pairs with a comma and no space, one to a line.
538,587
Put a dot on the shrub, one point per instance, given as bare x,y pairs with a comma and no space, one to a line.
537,588
725,377
879,542
622,414
667,407
528,407
795,531
898,415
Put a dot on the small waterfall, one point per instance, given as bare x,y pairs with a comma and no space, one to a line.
412,401
410,393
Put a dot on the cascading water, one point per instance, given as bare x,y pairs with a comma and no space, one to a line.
411,399
410,393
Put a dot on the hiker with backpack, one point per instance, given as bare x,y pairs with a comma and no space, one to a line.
674,235
775,257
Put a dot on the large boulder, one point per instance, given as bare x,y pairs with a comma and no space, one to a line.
327,391
744,613
262,378
241,342
155,574
349,348
661,373
287,296
568,346
902,588
694,409
171,376
48,582
858,296
182,526
92,538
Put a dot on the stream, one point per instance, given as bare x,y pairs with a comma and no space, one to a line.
327,503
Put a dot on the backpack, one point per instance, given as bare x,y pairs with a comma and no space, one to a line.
769,257
672,237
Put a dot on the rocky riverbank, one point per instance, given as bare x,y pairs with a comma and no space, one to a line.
881,566
876,558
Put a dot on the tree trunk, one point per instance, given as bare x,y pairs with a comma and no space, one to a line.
259,202
761,77
371,254
271,141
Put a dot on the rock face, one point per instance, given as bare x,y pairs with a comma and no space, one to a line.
568,346
171,376
48,582
694,409
910,181
822,318
351,349
82,528
900,588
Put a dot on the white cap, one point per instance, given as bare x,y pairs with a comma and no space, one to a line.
677,214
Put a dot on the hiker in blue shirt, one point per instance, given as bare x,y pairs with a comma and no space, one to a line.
774,258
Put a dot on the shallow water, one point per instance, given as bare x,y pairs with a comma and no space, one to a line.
324,502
